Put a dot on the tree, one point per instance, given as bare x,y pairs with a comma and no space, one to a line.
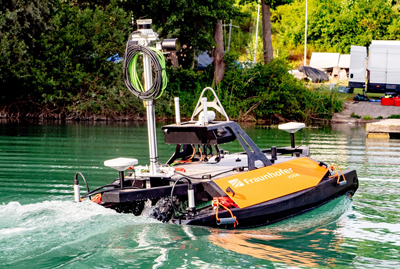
196,23
266,23
22,23
219,64
267,36
336,25
53,54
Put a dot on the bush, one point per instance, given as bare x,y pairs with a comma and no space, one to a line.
62,67
58,67
263,92
366,117
394,117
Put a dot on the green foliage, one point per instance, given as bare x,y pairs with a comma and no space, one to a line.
61,65
366,117
394,117
187,84
333,26
192,21
322,103
264,92
21,24
272,3
379,117
355,116
53,61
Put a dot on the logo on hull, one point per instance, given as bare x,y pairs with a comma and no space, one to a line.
236,183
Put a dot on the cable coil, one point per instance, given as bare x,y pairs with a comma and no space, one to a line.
131,78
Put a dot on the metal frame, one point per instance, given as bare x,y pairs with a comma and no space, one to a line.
216,104
253,152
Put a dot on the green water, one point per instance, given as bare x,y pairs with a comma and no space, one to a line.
41,227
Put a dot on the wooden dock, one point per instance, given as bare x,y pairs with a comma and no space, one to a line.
383,128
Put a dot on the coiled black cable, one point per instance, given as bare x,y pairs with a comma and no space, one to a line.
131,79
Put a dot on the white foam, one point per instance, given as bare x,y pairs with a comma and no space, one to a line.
9,231
379,179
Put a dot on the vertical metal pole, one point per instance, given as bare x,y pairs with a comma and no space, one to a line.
305,38
274,154
151,117
230,32
121,179
177,111
255,45
292,143
77,194
204,101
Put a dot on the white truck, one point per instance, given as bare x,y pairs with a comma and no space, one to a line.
382,74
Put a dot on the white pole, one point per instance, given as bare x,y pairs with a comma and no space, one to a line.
177,111
305,38
230,31
204,101
255,45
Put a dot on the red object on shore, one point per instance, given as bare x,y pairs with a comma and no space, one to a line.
397,101
387,101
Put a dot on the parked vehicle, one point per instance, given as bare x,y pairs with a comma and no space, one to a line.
382,74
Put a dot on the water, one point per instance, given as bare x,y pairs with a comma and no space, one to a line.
40,226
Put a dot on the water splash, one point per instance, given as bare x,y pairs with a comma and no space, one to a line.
32,230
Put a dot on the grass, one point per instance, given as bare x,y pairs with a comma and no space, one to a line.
349,96
366,117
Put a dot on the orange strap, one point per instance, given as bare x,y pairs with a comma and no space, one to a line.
180,169
217,203
97,198
336,168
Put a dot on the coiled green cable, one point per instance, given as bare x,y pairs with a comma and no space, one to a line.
163,72
131,78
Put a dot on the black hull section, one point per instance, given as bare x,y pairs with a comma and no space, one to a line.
280,208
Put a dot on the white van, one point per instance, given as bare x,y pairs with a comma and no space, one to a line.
383,74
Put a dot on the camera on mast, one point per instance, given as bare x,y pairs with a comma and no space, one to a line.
145,35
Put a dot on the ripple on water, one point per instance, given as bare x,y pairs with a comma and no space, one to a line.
46,229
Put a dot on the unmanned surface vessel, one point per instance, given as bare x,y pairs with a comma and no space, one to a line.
201,184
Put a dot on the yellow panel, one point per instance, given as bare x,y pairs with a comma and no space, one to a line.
267,183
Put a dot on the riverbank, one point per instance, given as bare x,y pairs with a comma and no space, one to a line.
373,111
73,117
364,112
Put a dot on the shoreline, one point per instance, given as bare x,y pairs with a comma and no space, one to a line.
374,110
